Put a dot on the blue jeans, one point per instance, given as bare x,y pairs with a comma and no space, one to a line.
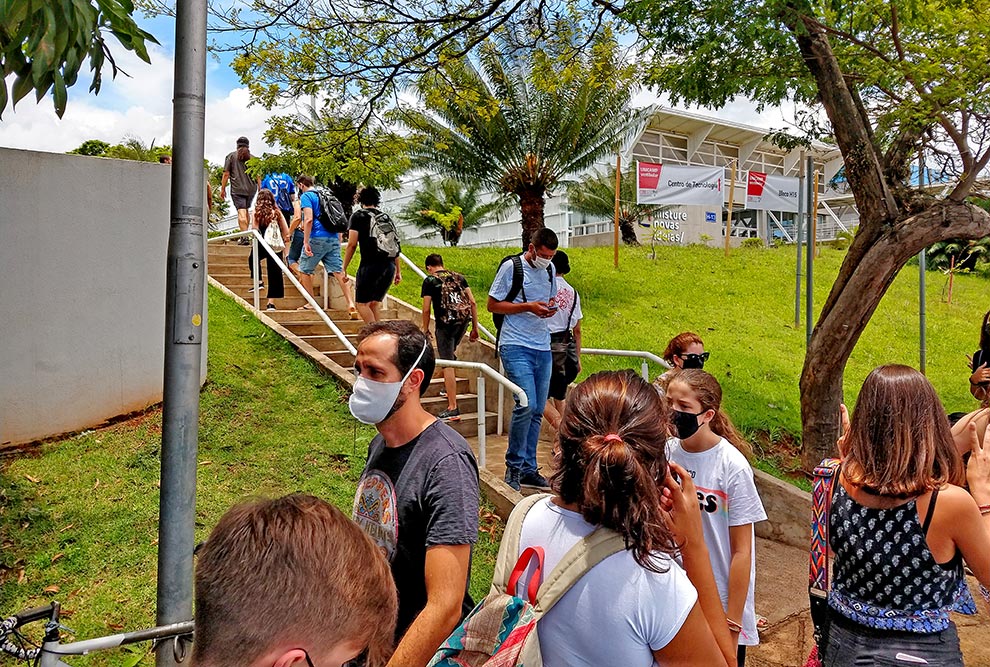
853,645
530,369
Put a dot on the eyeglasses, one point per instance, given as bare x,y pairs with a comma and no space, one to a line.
703,357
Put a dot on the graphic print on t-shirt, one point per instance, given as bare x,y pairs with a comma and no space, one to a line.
374,511
713,500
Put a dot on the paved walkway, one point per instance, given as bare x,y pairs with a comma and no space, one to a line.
782,592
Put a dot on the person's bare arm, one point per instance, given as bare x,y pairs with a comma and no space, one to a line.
474,315
398,270
307,230
446,572
970,527
685,519
692,646
427,300
296,215
223,184
352,240
740,566
538,308
977,380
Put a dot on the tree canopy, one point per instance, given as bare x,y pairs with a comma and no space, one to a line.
519,126
44,43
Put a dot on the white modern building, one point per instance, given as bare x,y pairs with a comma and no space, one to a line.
682,138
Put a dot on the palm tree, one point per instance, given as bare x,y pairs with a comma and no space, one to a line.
595,195
494,125
450,207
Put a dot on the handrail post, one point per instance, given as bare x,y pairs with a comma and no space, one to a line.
646,370
482,421
326,288
255,273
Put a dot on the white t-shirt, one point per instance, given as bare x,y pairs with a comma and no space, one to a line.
564,319
728,497
618,613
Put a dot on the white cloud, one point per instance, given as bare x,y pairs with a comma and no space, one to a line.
138,106
740,110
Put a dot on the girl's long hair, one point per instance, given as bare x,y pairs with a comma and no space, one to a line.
243,154
708,393
899,443
610,460
265,211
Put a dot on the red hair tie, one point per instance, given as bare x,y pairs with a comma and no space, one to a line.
612,437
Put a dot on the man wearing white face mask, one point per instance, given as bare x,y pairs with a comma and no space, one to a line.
418,494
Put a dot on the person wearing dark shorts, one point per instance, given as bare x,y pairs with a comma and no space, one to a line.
454,308
243,188
565,340
377,271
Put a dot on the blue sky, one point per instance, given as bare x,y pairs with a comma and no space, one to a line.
140,106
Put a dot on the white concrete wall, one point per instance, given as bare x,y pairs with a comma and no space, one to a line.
83,245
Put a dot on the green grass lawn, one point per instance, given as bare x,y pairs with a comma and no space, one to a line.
78,520
743,308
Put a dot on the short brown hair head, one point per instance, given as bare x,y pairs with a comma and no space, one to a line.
609,457
304,180
290,573
410,341
679,344
899,443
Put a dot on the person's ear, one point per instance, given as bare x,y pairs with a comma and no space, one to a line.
416,379
707,417
295,656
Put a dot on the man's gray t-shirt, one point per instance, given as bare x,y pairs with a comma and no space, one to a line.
240,183
415,496
525,329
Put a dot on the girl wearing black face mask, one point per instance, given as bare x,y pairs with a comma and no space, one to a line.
712,451
979,381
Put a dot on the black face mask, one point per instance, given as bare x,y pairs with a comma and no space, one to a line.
686,423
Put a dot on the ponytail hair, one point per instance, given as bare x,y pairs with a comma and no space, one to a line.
243,154
611,460
708,392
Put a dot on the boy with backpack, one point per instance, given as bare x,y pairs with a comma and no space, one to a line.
374,231
453,307
323,223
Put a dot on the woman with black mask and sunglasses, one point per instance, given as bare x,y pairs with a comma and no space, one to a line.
685,350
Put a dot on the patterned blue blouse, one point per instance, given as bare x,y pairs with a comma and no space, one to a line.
884,575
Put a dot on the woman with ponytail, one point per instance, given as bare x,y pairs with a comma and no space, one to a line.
637,607
715,455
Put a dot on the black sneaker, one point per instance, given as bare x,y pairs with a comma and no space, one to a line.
533,479
450,415
512,477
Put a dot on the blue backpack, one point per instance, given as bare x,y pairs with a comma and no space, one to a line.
282,186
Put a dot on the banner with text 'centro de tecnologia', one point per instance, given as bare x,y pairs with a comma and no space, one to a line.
678,184
772,192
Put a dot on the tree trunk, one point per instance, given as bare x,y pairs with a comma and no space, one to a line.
531,203
628,231
854,302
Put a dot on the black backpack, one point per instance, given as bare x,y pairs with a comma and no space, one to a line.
515,289
331,211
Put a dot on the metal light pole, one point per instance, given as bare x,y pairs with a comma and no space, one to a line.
797,225
809,314
185,280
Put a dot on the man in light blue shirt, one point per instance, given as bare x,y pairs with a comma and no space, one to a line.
523,292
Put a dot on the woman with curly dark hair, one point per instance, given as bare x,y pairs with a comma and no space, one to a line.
267,213
607,462
979,381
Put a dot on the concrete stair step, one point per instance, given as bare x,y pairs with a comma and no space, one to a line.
284,315
466,403
436,386
320,328
237,281
329,342
467,425
340,357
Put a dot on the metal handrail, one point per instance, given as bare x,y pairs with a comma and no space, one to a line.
503,382
646,356
422,274
256,238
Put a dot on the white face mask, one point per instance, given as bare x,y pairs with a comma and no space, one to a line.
541,262
371,401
